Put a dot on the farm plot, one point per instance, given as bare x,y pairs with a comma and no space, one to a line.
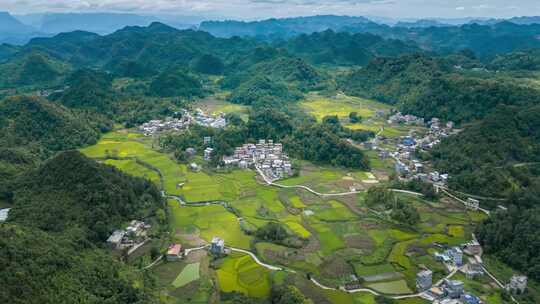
210,221
239,273
189,274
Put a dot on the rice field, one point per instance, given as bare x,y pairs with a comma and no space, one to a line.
210,221
239,273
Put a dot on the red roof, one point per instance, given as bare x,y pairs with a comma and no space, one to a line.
174,249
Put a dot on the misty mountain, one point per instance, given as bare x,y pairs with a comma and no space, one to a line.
14,31
422,23
100,23
281,28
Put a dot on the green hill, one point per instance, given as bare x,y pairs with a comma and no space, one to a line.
71,191
38,267
431,87
176,83
32,69
32,122
89,89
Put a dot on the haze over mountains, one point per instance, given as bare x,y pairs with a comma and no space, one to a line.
19,29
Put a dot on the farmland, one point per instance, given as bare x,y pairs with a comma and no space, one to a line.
341,237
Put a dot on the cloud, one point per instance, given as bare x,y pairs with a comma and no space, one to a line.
252,9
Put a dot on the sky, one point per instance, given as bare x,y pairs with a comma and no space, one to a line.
259,9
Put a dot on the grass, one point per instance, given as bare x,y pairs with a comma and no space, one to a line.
135,169
241,274
189,274
369,270
333,212
393,287
296,202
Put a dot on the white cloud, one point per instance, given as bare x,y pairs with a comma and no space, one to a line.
278,8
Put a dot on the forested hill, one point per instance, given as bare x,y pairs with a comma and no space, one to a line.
485,157
432,87
61,213
71,191
33,129
157,45
33,122
487,40
281,28
343,48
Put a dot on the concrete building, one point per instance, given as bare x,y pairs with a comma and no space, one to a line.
424,280
456,255
4,214
473,269
174,253
217,246
190,152
454,288
208,154
518,284
115,240
472,204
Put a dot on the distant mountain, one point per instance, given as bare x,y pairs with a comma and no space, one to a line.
484,40
156,46
422,23
13,31
100,23
525,20
281,28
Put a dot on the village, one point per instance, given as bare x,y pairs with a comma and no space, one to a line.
182,120
266,157
403,149
449,291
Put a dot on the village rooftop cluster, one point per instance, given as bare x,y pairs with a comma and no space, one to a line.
449,291
183,120
266,156
406,165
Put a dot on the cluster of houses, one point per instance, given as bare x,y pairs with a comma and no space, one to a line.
452,291
134,235
212,121
408,119
266,156
183,120
448,291
169,124
406,164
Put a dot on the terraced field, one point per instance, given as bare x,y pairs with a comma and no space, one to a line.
342,237
241,274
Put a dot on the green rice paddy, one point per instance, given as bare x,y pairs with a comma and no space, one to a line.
189,274
239,273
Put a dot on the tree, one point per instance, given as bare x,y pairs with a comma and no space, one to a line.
354,118
380,196
288,295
